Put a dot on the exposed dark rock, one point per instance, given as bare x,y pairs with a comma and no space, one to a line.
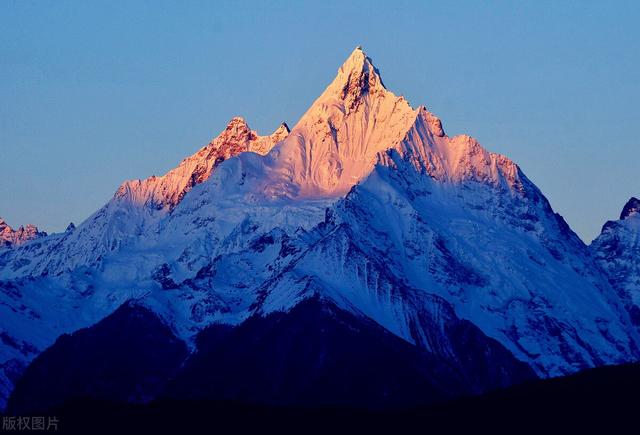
317,354
126,357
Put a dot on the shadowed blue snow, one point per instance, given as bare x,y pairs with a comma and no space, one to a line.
93,94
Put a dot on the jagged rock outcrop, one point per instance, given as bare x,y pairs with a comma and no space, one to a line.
10,237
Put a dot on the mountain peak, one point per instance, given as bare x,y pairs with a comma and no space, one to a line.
237,128
164,192
632,207
357,56
237,120
356,77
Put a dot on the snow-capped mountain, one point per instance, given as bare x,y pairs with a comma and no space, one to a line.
452,219
366,207
10,237
136,206
617,251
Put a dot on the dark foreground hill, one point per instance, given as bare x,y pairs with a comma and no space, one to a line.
602,400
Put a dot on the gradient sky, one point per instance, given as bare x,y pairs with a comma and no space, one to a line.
93,93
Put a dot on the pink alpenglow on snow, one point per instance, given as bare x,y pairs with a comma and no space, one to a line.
166,191
11,237
350,128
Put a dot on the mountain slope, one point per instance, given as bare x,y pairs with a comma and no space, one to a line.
506,263
617,251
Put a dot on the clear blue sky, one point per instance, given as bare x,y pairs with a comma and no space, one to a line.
93,93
